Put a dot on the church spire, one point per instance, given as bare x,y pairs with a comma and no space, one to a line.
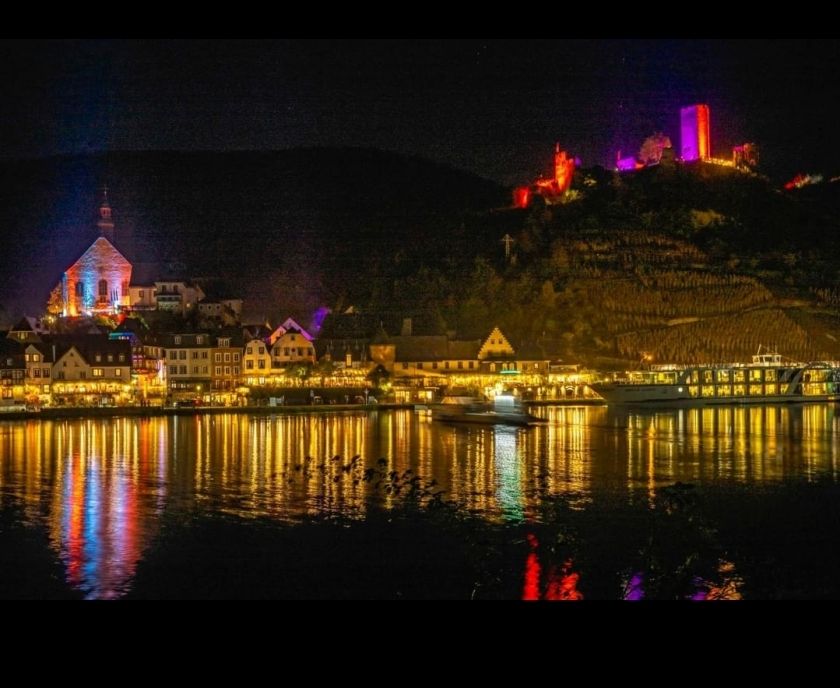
105,224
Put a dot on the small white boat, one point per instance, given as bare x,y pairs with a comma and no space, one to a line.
504,410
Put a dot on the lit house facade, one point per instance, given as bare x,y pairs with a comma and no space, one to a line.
188,364
90,370
292,348
226,369
12,373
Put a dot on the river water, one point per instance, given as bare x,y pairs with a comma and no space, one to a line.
102,491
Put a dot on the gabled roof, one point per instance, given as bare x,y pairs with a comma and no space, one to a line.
292,324
144,274
11,350
421,348
189,340
23,325
106,245
466,350
89,346
496,345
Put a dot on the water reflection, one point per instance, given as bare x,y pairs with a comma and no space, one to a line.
101,486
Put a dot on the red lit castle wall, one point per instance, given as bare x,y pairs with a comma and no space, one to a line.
564,171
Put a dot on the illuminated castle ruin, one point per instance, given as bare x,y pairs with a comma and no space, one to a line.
98,281
695,139
550,190
745,156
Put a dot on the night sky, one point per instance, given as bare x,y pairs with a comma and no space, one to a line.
491,107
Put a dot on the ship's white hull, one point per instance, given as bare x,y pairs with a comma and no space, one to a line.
679,394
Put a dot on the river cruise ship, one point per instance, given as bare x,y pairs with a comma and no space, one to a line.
769,378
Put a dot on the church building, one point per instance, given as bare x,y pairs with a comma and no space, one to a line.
98,281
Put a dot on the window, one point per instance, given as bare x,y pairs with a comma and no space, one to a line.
110,358
205,370
218,369
80,289
446,365
434,365
117,372
173,355
460,365
177,339
27,358
195,354
249,351
182,355
195,370
36,372
261,364
236,358
36,358
227,358
236,370
97,372
103,289
472,365
46,372
98,358
286,351
227,370
141,294
173,370
183,370
249,364
261,350
199,339
83,375
218,357
204,355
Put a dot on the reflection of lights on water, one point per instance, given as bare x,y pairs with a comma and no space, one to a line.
98,485
634,590
508,473
560,581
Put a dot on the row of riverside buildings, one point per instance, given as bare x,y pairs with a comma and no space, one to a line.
133,365
94,348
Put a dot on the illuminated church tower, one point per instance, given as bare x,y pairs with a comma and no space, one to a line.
106,224
98,281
